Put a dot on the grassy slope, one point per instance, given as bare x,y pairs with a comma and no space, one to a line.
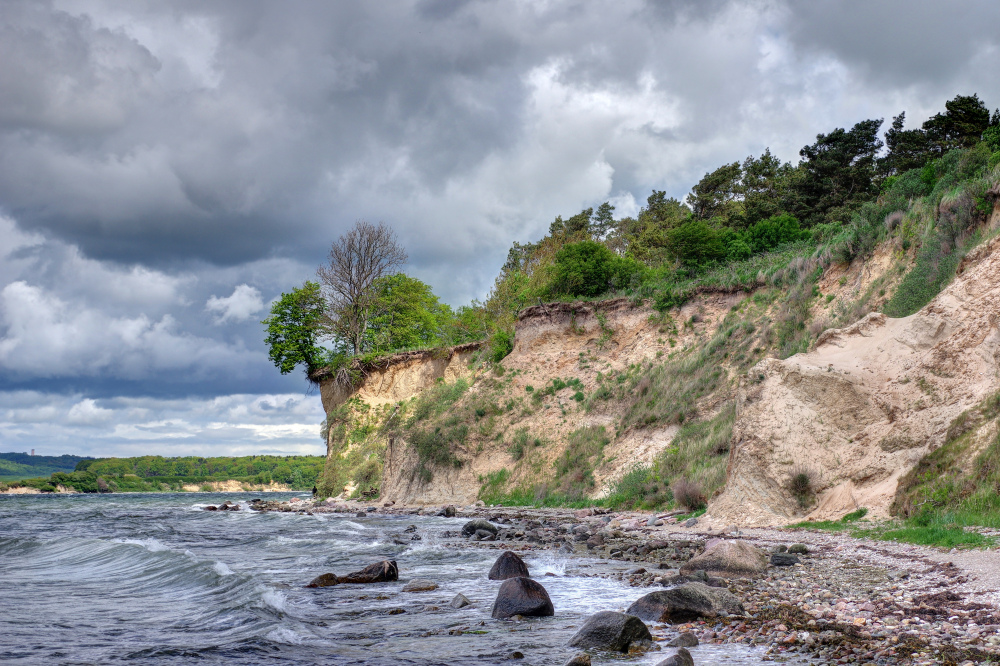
894,263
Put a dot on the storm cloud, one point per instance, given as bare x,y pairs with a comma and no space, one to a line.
167,169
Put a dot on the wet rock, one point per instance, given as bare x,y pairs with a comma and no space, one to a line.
324,580
522,596
211,507
361,514
410,529
473,526
516,655
783,560
595,541
447,511
798,549
611,630
508,565
460,601
380,572
687,602
732,558
420,585
685,640
682,658
582,659
484,535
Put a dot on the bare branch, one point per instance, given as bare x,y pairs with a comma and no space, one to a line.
357,259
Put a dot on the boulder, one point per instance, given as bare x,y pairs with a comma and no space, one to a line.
476,525
798,549
685,640
420,585
682,658
508,565
447,511
381,572
522,596
324,580
460,601
733,558
686,602
610,630
484,535
211,507
783,559
582,659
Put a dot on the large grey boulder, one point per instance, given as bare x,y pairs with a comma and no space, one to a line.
682,658
522,596
686,602
381,572
610,630
508,565
729,559
478,524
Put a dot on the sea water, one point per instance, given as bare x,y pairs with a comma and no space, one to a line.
155,579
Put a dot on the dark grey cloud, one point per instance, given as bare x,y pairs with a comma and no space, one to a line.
167,169
923,43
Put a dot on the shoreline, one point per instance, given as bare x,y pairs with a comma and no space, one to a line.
23,490
848,601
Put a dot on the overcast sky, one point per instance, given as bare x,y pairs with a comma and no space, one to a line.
168,168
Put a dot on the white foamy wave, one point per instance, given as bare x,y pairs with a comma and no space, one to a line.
222,569
274,599
150,544
285,635
547,564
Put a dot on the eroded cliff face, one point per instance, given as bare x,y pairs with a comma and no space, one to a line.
862,408
402,376
564,341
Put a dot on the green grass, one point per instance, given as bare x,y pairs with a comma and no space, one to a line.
941,530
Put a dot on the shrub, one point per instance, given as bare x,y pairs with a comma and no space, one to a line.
501,344
688,495
801,485
772,232
695,243
575,467
583,269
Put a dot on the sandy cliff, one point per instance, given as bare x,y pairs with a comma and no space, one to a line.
865,405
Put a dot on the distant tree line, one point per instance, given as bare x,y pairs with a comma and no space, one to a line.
156,473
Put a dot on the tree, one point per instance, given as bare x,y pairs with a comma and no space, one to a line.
293,328
357,260
907,149
404,313
837,172
960,126
764,186
603,221
717,194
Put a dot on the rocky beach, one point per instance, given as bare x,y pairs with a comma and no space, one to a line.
807,595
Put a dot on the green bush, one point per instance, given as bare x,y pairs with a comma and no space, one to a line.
768,234
695,243
589,269
501,344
